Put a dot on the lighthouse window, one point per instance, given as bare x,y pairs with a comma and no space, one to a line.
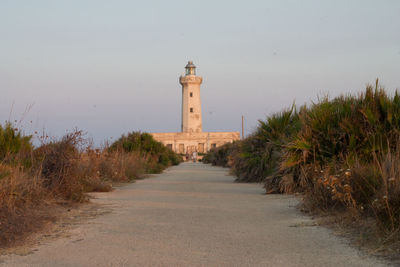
191,110
191,94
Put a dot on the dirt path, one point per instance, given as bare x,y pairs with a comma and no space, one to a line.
194,215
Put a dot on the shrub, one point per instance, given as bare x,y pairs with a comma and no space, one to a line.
63,171
58,162
21,198
258,157
219,156
121,166
158,156
342,153
346,133
13,143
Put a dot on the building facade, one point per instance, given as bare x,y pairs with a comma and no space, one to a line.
192,138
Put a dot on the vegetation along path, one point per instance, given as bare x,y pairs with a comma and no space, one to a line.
195,215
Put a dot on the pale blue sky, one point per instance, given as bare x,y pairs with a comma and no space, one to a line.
109,67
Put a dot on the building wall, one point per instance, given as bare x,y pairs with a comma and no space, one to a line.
195,141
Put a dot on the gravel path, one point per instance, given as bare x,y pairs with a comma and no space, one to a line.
195,215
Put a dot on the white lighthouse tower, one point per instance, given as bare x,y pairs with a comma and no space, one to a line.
191,137
191,103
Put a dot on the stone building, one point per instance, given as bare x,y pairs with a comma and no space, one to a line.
192,138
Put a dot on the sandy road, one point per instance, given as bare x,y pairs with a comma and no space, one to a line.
195,215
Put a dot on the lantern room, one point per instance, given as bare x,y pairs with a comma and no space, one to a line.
190,68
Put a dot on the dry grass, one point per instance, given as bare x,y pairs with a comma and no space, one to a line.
58,172
119,166
23,203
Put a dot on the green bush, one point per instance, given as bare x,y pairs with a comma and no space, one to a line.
13,143
259,155
159,156
219,156
342,153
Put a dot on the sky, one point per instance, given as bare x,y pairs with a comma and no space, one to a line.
112,67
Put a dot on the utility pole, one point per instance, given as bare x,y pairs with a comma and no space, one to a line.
242,127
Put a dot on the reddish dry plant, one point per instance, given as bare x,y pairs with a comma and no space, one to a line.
22,197
337,187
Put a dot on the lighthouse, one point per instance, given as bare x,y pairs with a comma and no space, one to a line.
191,103
191,138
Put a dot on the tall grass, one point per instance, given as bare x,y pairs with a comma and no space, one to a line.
32,178
342,153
